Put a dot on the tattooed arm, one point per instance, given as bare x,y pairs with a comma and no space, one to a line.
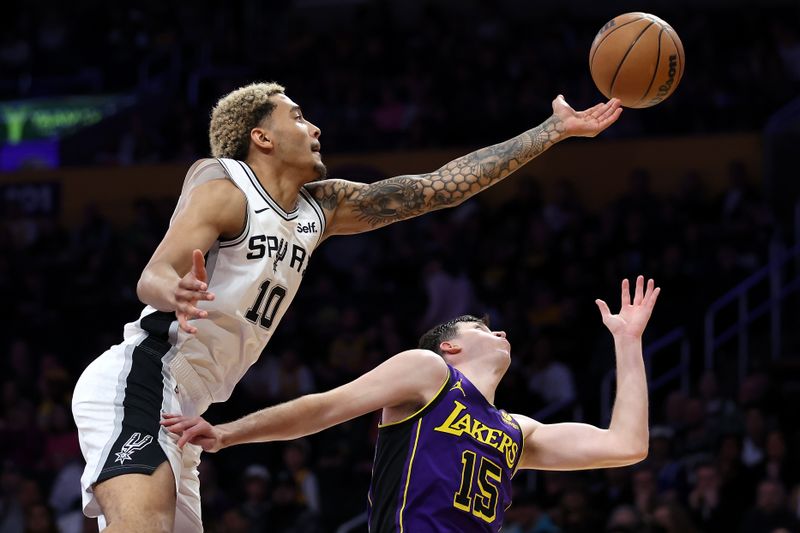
352,207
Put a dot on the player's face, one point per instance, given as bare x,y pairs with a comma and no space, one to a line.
295,140
479,339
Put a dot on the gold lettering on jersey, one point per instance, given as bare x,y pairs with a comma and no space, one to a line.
459,422
509,420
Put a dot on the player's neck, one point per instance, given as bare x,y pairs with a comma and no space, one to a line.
281,184
484,379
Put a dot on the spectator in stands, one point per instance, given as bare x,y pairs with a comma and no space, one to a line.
769,513
256,505
550,380
777,464
12,514
624,519
527,516
669,473
755,434
287,515
706,505
671,517
295,460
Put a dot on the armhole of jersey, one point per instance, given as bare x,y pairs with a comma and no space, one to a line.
428,406
226,243
317,209
521,449
211,260
233,241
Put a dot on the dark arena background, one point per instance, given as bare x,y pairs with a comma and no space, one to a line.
105,105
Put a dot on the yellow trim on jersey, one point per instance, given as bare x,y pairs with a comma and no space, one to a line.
521,449
406,419
408,476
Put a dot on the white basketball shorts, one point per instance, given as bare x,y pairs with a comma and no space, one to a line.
117,405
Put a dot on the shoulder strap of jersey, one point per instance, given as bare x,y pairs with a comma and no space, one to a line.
238,173
445,388
259,198
317,208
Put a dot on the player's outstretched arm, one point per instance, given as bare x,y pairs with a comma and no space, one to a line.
175,278
572,446
409,378
357,207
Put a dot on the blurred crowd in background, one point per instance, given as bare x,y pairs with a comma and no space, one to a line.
385,75
723,456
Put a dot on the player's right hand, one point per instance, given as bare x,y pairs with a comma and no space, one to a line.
633,314
589,122
192,288
194,430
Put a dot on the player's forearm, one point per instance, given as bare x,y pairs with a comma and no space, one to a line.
291,420
403,197
470,174
629,418
156,286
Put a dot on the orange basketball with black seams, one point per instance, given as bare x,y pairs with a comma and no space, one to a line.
638,58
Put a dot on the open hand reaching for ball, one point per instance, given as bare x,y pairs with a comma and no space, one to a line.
586,123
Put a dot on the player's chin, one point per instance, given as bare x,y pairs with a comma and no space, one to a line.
505,361
320,170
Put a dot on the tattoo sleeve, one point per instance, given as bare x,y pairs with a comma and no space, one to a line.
383,202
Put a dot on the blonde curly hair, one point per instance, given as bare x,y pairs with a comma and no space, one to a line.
236,114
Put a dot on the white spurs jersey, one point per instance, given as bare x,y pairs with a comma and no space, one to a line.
254,276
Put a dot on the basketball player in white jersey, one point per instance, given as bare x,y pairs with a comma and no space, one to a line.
219,282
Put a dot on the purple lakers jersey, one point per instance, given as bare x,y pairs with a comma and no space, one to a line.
447,468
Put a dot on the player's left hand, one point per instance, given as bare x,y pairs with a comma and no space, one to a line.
194,430
586,123
192,288
633,315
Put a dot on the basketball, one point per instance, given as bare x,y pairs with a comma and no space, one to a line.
638,58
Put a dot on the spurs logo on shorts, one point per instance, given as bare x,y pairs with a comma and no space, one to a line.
131,445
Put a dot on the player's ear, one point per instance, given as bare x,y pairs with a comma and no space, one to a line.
261,138
448,347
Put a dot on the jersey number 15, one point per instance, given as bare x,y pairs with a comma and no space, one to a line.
481,501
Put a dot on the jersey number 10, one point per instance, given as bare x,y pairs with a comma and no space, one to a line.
264,313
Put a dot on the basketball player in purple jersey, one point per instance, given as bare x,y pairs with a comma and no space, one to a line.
445,454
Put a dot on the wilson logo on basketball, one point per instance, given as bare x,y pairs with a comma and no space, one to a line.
608,25
664,89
